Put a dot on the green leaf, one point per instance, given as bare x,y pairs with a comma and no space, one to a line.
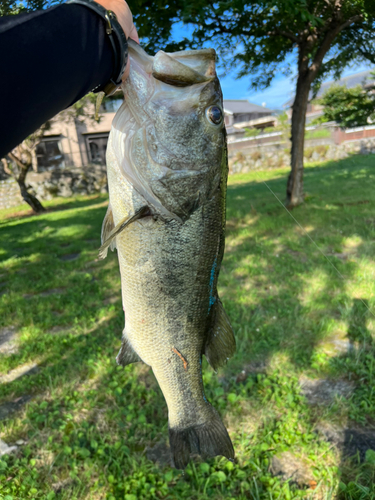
221,476
232,398
229,465
204,467
370,457
169,476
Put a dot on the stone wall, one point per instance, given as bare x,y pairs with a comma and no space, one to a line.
93,179
9,194
58,182
278,155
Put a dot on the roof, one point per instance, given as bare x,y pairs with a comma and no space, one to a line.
364,77
243,106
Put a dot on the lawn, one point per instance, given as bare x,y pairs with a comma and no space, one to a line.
298,397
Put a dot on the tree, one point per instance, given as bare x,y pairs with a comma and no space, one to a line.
22,158
353,107
13,7
265,38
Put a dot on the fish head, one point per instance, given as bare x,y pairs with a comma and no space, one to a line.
169,134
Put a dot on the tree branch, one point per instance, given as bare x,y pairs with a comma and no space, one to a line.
285,34
6,167
34,160
219,23
350,21
327,41
17,161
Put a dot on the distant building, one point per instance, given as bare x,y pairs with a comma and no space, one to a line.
77,143
315,110
240,114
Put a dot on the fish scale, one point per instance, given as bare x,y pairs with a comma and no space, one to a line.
168,227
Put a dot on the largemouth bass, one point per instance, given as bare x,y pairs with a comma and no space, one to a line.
167,175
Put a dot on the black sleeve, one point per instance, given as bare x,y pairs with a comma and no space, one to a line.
48,60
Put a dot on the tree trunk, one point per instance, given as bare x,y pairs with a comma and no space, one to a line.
28,197
294,191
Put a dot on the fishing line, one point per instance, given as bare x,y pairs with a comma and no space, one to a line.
315,244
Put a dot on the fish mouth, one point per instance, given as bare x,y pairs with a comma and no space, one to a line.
179,69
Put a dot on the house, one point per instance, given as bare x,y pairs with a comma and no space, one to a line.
240,113
77,143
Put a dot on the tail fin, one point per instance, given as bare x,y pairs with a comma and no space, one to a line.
209,440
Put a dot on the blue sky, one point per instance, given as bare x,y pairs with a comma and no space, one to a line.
281,89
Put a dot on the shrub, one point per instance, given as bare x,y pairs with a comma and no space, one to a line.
317,134
321,149
251,132
256,155
240,157
308,153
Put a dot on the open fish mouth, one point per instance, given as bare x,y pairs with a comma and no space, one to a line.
179,69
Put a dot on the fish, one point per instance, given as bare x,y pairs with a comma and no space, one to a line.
167,170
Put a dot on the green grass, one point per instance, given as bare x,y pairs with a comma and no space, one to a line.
89,422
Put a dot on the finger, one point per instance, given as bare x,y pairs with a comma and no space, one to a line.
134,34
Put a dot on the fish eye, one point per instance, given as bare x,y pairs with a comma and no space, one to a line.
214,115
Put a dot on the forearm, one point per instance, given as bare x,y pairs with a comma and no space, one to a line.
49,59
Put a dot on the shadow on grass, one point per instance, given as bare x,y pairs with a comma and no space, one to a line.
69,204
274,254
85,410
279,291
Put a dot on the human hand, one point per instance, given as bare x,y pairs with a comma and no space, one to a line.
125,18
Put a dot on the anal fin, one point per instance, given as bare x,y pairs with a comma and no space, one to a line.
126,354
109,232
220,344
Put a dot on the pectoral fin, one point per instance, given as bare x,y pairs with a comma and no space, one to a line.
109,232
220,345
107,226
126,354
